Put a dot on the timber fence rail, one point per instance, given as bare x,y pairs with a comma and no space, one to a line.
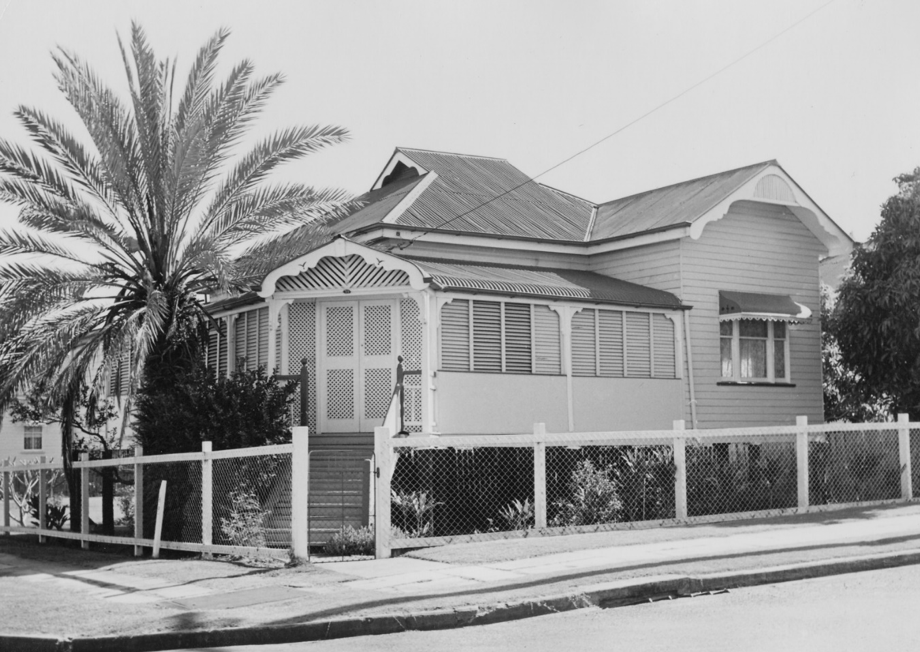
434,490
238,501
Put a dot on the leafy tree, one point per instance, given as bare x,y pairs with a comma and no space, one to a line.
92,424
845,395
246,408
119,238
876,321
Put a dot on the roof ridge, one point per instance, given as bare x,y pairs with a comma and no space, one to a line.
680,183
567,194
435,151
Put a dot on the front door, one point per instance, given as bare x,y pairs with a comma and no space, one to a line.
357,351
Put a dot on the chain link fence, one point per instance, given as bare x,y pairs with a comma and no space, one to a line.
467,488
726,477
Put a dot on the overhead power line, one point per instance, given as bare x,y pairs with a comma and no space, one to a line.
621,129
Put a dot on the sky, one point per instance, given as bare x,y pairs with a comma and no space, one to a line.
834,99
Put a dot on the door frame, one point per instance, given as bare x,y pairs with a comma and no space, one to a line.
320,355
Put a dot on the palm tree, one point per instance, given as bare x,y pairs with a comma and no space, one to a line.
119,239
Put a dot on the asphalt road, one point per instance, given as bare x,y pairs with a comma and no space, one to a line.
861,611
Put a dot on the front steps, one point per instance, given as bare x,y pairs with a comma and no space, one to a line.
340,485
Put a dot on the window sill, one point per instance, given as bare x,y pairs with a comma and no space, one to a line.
753,383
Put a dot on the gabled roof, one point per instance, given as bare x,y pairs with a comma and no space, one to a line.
464,185
459,194
676,205
518,280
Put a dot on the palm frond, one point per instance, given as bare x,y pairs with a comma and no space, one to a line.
265,157
84,168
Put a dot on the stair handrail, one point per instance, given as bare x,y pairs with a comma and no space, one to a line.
304,379
399,396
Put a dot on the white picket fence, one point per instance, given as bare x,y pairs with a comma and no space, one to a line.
733,473
266,469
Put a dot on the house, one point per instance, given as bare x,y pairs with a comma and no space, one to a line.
29,441
509,303
519,303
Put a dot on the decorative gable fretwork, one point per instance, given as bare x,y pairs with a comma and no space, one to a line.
334,273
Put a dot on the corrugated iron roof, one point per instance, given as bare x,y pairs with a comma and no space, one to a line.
229,303
670,206
519,280
465,183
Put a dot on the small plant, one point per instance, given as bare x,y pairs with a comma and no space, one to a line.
57,514
351,541
126,510
417,511
518,515
592,499
245,525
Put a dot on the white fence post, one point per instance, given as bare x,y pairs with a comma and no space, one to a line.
84,501
382,456
801,459
42,499
680,470
300,493
6,500
539,476
158,529
207,498
907,485
138,499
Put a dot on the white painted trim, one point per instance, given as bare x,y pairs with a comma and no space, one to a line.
397,157
431,327
591,222
807,211
520,244
285,338
339,248
410,197
677,319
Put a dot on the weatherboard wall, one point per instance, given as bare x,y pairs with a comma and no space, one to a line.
761,248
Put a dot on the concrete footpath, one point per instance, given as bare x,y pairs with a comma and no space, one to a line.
105,602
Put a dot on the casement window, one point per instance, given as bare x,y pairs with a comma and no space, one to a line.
32,438
218,347
623,344
500,337
120,376
754,350
251,339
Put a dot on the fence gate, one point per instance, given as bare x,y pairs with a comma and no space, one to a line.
340,486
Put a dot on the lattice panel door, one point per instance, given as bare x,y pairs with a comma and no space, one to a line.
411,339
302,344
339,347
378,361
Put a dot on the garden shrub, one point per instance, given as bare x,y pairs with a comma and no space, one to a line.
518,515
245,525
351,541
592,497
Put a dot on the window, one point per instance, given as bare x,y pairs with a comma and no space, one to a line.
216,352
120,376
623,344
754,350
251,335
32,439
500,337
